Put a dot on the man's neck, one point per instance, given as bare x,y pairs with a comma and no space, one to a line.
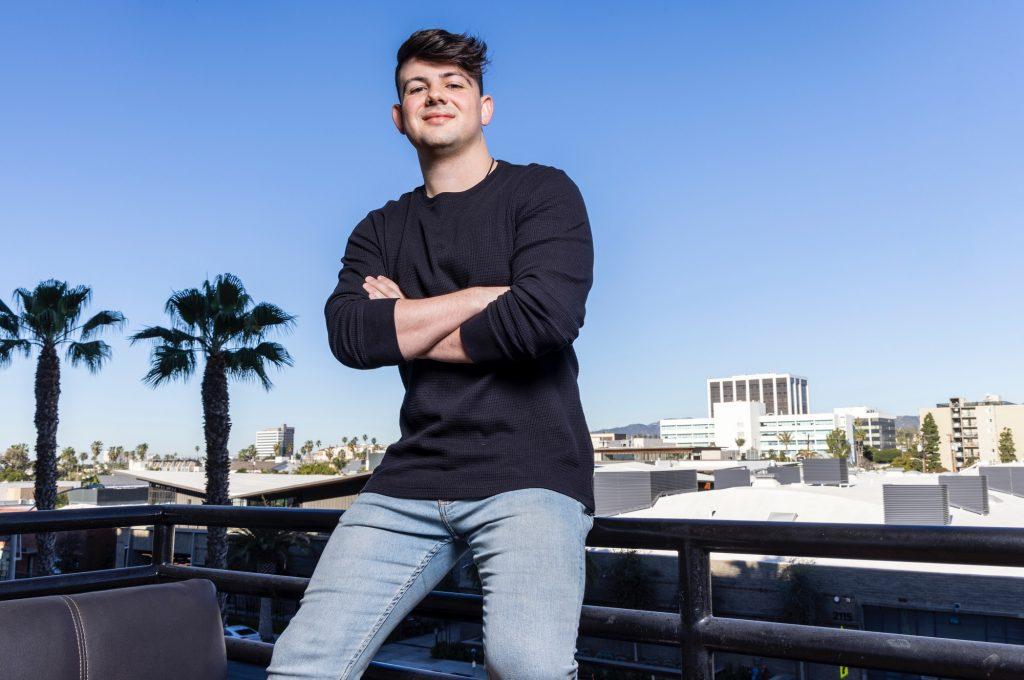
456,172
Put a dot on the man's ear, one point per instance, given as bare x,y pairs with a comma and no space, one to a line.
396,116
486,109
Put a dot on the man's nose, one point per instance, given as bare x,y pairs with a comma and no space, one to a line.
435,94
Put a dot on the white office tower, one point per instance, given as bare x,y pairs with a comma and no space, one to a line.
783,394
275,441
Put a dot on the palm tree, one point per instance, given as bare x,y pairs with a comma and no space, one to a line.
97,448
785,438
219,322
48,319
67,464
264,549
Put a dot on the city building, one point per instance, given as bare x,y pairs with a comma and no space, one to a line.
615,440
275,441
746,426
969,430
879,429
601,440
781,393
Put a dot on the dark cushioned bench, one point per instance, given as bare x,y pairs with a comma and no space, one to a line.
164,631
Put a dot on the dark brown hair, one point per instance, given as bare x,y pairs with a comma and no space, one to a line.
439,46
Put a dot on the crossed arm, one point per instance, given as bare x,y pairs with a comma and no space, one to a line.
428,328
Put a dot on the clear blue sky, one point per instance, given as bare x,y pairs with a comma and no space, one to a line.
832,189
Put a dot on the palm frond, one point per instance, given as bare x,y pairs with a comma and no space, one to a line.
10,347
70,305
50,310
101,320
189,308
91,354
171,336
24,298
248,363
9,322
227,325
265,316
274,353
227,294
170,363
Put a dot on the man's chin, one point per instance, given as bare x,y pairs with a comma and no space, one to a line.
439,144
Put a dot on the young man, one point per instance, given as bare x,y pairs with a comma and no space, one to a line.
474,285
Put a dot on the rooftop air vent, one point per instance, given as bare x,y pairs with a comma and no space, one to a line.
825,471
730,477
916,504
969,492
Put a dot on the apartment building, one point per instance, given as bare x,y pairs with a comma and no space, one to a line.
969,430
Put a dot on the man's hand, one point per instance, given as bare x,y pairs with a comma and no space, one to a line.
381,287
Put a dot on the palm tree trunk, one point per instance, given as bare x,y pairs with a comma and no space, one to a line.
47,396
216,428
266,625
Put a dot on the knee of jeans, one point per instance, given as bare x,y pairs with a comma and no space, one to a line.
528,664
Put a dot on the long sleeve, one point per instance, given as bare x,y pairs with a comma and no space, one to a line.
361,331
552,273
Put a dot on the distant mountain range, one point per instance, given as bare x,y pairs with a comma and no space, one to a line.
649,430
908,423
652,429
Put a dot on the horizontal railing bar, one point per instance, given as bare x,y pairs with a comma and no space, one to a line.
995,546
943,657
296,519
239,582
631,625
102,517
79,582
259,653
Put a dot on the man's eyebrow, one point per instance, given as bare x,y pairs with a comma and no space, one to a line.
443,75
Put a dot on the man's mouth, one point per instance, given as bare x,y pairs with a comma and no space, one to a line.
437,118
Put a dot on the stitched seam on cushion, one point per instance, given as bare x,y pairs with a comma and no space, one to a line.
391,605
78,639
85,642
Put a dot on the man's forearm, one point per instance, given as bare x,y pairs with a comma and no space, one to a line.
449,349
421,324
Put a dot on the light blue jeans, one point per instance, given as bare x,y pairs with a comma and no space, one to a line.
387,553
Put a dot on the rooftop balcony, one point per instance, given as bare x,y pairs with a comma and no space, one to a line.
694,629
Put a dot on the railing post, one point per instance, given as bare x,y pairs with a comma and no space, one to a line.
694,607
163,542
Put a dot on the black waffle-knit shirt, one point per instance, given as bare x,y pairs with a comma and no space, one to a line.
512,419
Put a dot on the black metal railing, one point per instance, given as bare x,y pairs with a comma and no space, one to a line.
695,630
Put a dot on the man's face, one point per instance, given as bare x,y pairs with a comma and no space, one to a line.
441,106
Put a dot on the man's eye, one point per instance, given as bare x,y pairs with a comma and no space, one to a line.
415,89
454,85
